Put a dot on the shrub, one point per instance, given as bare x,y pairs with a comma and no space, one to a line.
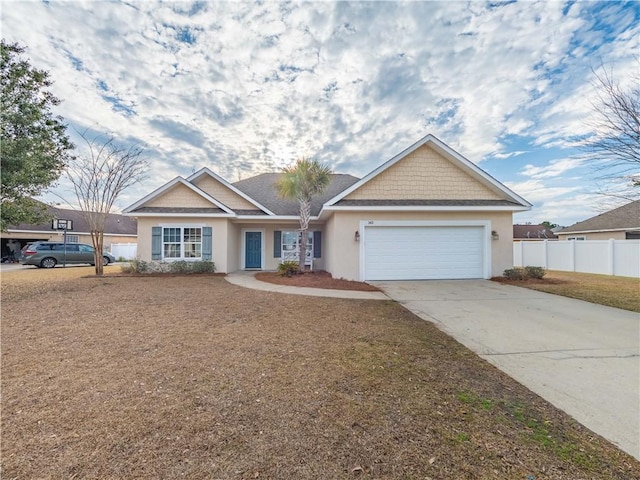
515,273
136,266
519,273
205,266
178,267
535,272
288,268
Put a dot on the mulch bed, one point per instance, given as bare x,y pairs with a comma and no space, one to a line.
315,279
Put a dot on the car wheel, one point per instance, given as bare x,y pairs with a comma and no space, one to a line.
105,260
48,262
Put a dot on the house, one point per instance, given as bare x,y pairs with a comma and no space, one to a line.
118,229
533,232
622,223
427,213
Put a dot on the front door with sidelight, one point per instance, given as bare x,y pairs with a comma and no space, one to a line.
253,250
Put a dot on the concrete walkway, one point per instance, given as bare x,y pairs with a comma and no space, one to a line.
581,357
248,280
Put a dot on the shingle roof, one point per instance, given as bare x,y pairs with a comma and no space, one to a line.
532,231
115,224
262,189
624,217
418,202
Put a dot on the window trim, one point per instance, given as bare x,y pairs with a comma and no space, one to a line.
181,242
308,261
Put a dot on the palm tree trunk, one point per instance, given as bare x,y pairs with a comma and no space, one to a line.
305,216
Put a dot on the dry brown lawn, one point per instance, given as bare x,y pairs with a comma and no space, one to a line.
619,292
192,377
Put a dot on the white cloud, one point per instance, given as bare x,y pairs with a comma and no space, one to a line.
555,168
246,87
536,191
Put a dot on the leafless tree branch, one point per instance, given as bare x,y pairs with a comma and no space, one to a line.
99,177
614,145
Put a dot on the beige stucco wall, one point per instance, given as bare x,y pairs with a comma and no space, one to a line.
180,196
423,174
223,194
342,254
271,262
219,236
227,240
594,236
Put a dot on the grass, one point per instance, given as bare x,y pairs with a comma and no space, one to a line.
192,377
618,292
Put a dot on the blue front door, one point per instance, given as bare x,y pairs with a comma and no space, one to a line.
253,250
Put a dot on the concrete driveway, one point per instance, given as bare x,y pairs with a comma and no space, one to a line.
581,357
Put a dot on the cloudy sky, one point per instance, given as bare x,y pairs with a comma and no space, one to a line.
244,88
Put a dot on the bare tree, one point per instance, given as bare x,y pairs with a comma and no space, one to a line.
615,142
99,177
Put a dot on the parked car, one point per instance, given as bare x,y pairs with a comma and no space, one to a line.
50,254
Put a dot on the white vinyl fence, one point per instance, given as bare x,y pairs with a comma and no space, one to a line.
607,257
128,251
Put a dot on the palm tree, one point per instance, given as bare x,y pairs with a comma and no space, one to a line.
301,182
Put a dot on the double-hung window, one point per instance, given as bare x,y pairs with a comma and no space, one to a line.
182,242
290,246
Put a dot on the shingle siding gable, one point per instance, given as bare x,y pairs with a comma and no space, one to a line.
424,174
221,193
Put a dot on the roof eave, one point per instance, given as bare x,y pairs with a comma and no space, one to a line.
184,215
433,208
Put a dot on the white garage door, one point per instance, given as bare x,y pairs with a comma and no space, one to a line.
423,253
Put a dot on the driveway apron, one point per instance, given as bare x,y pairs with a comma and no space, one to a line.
581,357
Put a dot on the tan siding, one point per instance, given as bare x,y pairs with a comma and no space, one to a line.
423,174
223,194
180,196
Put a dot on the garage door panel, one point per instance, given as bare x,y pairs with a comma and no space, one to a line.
417,252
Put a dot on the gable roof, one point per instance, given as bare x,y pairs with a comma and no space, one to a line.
626,217
136,207
525,232
468,167
115,224
262,188
206,171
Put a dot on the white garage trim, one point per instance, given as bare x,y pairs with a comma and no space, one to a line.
367,225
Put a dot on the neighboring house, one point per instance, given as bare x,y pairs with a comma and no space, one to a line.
118,229
427,213
532,232
622,223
